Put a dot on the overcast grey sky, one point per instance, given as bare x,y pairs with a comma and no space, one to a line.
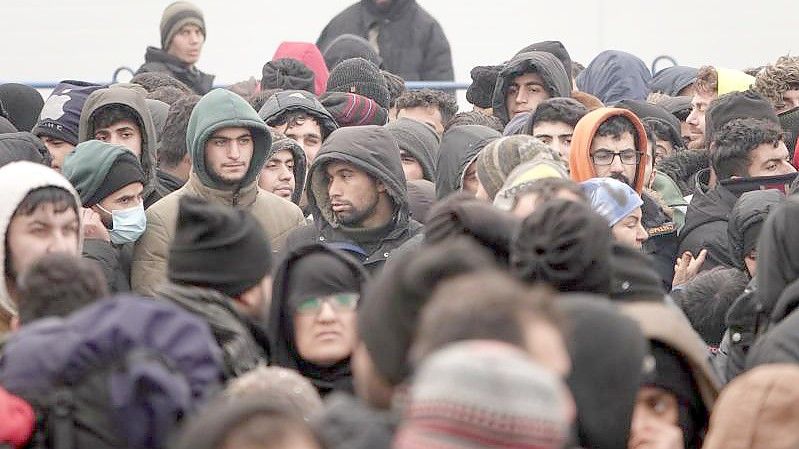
87,39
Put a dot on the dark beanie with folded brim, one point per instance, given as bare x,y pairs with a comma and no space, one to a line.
481,92
734,105
287,74
359,76
218,247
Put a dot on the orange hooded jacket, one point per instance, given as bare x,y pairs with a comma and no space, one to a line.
580,165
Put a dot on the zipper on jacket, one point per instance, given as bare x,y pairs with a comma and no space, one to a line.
235,198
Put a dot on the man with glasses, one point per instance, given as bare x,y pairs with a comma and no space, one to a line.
612,143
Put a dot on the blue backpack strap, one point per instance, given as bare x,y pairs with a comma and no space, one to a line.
350,248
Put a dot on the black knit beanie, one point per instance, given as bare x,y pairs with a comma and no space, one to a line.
481,92
287,74
395,84
218,247
125,171
357,75
634,276
566,245
733,105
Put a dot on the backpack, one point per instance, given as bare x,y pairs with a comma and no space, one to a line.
121,373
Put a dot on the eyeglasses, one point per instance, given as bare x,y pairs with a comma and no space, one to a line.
340,302
627,157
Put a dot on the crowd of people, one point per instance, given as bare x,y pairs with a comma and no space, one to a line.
590,257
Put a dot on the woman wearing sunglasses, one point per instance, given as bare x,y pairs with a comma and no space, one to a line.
313,314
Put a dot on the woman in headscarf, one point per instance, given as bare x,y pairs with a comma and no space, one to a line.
312,318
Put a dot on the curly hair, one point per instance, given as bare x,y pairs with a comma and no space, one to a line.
446,103
774,80
707,80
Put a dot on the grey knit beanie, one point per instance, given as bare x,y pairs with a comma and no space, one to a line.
359,76
175,16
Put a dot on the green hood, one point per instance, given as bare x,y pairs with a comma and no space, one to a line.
134,100
87,166
218,109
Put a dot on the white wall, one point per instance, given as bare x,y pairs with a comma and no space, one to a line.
87,39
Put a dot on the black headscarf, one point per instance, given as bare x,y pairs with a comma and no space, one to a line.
565,244
310,271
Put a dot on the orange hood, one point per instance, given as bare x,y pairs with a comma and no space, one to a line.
580,164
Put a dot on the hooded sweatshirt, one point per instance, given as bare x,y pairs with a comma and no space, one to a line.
308,54
672,80
614,76
556,81
373,150
23,146
418,140
17,180
149,145
667,326
300,163
216,110
158,60
607,352
580,164
757,411
459,148
331,271
746,220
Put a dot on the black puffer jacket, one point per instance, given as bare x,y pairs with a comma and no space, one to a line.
373,150
662,241
157,60
556,81
706,225
410,41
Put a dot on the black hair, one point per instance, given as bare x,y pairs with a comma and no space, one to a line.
547,189
474,118
61,199
706,299
173,137
732,145
107,115
293,117
617,126
396,86
446,103
564,110
662,131
57,285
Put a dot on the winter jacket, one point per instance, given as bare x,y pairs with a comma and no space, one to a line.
114,261
17,180
547,66
581,166
746,320
281,321
149,148
410,41
158,60
348,423
244,346
459,148
373,150
746,220
309,55
614,76
219,109
23,146
757,411
672,197
706,224
779,345
662,241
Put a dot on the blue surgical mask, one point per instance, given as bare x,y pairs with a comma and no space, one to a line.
129,224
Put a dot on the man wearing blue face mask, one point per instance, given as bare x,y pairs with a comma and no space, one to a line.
110,181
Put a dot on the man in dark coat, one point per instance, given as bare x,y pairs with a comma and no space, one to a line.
358,197
182,39
410,41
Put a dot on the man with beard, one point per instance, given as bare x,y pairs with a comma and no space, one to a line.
357,195
613,143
